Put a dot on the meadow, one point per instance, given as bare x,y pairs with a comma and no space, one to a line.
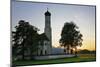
76,59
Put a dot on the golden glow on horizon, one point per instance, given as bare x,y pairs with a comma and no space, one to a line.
88,44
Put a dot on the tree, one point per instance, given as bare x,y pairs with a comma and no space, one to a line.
70,37
77,40
24,38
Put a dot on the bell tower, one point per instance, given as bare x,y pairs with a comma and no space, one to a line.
48,30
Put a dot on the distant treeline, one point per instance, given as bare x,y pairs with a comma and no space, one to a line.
85,51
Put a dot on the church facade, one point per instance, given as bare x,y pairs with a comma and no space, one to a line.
45,39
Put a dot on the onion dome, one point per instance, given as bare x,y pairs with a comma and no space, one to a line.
47,13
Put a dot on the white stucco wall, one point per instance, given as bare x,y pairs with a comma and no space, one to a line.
52,57
45,48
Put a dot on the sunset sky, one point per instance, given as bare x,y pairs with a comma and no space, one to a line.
82,16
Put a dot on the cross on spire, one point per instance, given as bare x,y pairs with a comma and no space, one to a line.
47,13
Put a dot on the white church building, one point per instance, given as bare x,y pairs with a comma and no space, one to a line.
45,39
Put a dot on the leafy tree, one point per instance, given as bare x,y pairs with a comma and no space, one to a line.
24,39
70,37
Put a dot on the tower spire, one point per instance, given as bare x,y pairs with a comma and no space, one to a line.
47,13
47,8
48,30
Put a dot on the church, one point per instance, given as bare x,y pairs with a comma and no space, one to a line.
45,39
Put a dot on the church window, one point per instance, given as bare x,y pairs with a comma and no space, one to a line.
41,52
45,52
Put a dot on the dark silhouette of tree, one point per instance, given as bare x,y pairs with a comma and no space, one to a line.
25,39
70,37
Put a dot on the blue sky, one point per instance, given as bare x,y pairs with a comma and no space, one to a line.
83,16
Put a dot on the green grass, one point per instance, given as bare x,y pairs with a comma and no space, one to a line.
80,58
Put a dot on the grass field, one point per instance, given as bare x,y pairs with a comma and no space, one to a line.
80,58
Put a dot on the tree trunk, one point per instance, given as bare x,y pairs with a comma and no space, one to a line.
76,51
23,53
71,51
68,49
31,52
23,50
31,55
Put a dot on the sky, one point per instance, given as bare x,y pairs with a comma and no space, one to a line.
82,16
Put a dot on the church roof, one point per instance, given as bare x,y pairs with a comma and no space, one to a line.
47,13
43,37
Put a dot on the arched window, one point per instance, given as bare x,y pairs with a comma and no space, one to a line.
45,52
41,52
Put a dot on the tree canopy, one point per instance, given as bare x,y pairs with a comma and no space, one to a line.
70,36
24,38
